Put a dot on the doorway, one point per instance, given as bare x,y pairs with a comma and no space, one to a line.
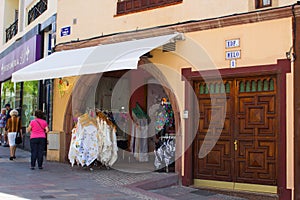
247,149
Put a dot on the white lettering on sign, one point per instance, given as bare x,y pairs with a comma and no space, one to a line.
232,43
24,57
230,55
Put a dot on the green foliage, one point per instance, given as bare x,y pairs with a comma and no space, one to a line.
31,87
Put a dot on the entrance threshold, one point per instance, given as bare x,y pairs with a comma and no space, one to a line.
235,186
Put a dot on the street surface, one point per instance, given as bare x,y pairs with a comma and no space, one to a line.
61,181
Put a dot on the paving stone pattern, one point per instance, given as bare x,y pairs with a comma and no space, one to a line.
61,181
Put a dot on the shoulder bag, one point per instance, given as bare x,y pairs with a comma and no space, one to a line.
18,139
40,126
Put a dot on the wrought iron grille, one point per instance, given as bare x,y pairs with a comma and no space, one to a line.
37,10
12,30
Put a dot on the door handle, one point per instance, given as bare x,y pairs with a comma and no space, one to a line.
235,145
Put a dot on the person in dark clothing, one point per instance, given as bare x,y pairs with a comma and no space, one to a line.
8,109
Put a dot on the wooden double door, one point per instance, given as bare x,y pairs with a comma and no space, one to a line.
246,148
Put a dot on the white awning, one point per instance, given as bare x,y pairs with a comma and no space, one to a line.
102,58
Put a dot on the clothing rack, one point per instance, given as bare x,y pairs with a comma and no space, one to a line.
168,137
102,116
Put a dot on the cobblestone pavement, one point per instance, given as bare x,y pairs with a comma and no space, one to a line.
61,181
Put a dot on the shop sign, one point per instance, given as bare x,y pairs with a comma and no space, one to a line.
230,55
20,57
65,31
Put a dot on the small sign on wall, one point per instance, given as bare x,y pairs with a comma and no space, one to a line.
232,43
233,51
232,63
65,31
229,55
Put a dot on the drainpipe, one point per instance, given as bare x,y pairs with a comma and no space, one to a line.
296,48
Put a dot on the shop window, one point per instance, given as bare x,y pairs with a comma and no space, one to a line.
9,93
30,101
263,3
130,6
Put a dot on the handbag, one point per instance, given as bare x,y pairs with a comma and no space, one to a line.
18,139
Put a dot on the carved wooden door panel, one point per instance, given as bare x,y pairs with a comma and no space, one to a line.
256,131
214,99
246,150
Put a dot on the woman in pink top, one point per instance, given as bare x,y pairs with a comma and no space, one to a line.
38,128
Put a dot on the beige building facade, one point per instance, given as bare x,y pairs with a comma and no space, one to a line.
233,63
260,44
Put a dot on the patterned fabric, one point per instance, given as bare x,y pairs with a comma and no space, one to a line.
91,141
2,120
83,147
165,117
108,145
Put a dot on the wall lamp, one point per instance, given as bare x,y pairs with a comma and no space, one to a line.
290,55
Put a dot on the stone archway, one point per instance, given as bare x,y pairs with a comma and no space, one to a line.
84,87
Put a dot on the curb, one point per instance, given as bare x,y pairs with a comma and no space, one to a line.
143,187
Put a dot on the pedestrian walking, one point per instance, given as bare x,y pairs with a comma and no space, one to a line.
2,124
38,128
8,109
13,125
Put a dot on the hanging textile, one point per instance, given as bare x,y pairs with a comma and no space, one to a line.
108,143
139,133
93,139
83,147
139,140
164,115
165,154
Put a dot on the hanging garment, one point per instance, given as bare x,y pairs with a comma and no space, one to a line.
165,154
93,139
90,145
114,155
101,130
83,148
74,142
139,140
108,148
